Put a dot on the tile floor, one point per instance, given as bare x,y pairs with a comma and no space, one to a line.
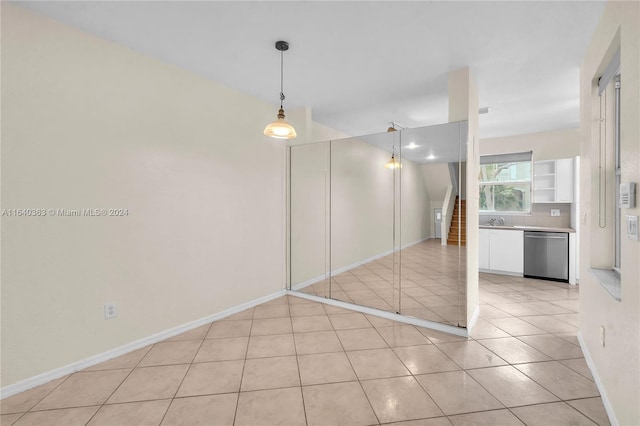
430,283
295,362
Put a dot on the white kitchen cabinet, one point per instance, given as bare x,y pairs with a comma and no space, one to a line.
483,248
553,181
506,251
501,251
564,180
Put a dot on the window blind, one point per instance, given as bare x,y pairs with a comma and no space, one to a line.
514,157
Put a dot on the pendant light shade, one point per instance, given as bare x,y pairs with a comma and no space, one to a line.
280,129
393,164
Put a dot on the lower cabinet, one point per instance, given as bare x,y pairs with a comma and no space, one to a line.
483,248
502,250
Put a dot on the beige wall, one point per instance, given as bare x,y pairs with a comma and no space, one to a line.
540,216
309,212
617,363
437,180
545,145
321,133
416,213
90,124
362,203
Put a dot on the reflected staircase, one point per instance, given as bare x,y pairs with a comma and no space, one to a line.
458,222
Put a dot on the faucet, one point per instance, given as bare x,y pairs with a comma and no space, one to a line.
502,221
492,221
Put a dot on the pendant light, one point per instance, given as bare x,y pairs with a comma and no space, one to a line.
280,129
393,163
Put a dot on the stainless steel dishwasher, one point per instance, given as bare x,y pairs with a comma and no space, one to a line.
546,255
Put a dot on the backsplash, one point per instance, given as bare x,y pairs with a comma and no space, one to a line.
540,216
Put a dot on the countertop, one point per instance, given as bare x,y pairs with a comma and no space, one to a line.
529,228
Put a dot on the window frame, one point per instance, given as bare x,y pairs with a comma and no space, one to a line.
509,159
618,176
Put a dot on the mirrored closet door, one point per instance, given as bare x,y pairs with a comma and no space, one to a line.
363,226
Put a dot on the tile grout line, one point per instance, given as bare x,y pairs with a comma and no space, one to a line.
585,414
186,373
118,387
244,363
295,349
530,378
46,395
40,400
514,365
427,392
356,375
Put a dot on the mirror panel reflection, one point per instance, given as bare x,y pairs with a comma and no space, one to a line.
433,223
379,221
309,218
362,221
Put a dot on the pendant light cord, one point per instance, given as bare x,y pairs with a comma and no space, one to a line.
281,78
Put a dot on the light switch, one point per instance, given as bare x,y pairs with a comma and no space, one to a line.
632,227
555,212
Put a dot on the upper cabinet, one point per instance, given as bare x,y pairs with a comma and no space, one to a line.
553,181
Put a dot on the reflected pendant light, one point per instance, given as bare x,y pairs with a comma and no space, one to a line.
393,163
280,129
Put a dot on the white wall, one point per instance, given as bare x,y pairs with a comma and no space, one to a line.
90,124
617,363
463,105
545,145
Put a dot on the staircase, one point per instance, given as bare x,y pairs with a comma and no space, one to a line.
459,221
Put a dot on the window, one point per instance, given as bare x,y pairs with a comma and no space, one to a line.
609,86
605,256
505,183
618,213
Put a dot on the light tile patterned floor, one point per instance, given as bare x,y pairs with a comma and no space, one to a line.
296,362
430,283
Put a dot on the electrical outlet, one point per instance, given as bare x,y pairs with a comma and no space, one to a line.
602,335
110,311
555,212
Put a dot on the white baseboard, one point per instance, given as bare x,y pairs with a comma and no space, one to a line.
43,378
451,329
352,266
496,272
308,282
592,367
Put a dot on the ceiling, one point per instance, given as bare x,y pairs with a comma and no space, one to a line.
360,65
441,143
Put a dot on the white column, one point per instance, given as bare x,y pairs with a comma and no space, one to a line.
463,105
